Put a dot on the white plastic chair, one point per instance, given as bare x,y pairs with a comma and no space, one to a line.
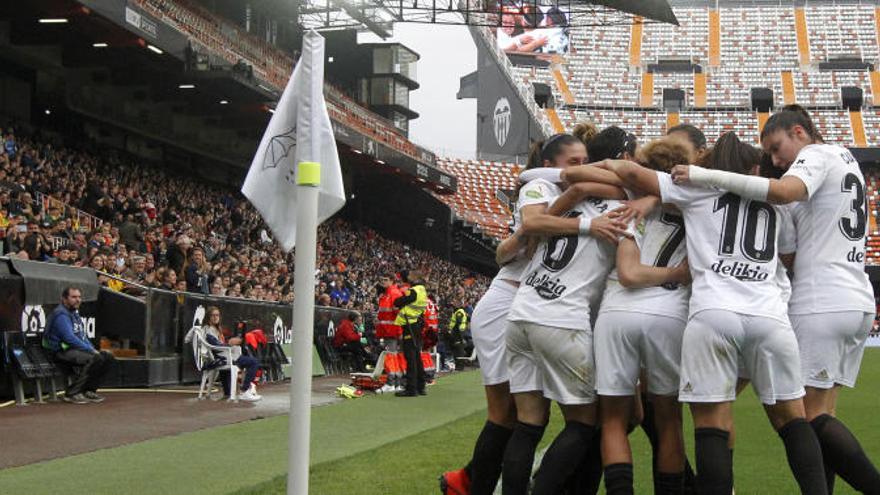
209,376
468,359
377,371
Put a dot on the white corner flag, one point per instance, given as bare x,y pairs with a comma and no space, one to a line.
299,131
295,182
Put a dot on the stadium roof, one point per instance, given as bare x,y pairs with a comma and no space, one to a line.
379,15
658,10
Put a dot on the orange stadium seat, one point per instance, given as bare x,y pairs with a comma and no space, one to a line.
475,200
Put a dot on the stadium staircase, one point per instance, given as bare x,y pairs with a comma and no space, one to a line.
699,90
554,120
714,38
858,128
803,37
672,119
567,97
647,95
762,119
875,80
635,43
788,93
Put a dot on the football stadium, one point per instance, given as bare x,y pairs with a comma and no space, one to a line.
231,265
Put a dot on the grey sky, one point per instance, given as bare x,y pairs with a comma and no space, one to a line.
446,125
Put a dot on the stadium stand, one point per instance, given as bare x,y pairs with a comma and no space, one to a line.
665,41
873,248
223,38
736,47
842,30
94,193
757,46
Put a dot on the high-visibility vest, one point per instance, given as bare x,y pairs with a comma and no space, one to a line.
462,316
414,310
385,326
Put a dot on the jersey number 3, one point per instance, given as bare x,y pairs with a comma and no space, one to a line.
756,246
854,231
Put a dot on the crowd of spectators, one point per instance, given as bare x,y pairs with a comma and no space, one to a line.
147,225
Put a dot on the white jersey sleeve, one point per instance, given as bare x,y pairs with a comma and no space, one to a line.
832,226
811,168
538,191
731,248
681,196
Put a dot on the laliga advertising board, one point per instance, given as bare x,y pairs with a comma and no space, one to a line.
35,317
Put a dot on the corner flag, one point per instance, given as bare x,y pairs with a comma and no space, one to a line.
299,131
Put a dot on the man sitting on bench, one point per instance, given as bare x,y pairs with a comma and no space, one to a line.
66,338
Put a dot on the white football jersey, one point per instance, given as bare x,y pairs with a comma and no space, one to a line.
565,275
829,270
732,249
787,244
661,241
534,192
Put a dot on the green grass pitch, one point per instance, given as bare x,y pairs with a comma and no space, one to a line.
411,465
386,445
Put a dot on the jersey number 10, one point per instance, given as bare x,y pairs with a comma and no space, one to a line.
750,237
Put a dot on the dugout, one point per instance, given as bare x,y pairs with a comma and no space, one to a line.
144,331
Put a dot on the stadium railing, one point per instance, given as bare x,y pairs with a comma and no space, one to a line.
82,220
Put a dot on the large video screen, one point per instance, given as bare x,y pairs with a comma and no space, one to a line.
525,27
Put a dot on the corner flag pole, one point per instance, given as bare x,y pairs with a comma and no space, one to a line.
308,182
295,182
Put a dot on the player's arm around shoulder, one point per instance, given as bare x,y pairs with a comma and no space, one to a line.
632,274
536,221
786,190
